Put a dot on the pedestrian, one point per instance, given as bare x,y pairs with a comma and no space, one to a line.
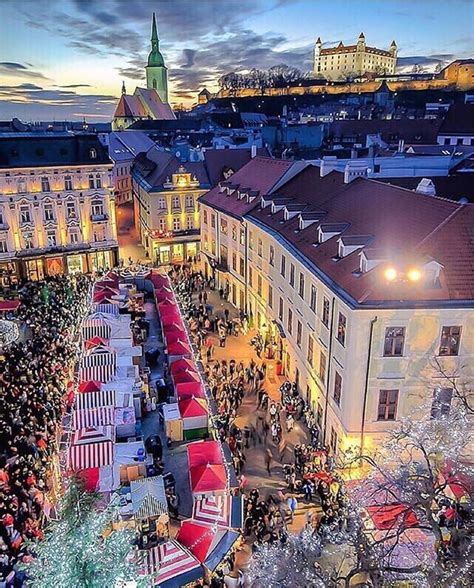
292,506
268,460
290,421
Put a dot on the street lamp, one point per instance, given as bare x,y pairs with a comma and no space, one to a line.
390,274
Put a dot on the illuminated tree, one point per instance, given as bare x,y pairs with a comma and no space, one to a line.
81,550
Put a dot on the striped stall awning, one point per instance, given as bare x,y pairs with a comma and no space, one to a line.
171,561
96,327
98,364
148,497
213,509
93,417
92,447
89,400
106,308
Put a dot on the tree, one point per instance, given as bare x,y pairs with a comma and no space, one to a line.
81,550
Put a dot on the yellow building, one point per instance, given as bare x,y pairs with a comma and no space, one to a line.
166,191
345,61
362,289
57,211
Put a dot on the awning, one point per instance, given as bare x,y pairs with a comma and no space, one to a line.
179,349
9,305
89,386
192,407
193,389
159,280
209,544
91,448
93,417
186,377
94,342
182,365
95,399
106,308
223,510
172,565
148,497
392,516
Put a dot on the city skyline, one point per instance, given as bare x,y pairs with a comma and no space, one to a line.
67,60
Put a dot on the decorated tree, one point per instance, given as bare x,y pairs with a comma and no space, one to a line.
81,549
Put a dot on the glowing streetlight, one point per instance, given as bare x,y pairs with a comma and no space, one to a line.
414,274
390,274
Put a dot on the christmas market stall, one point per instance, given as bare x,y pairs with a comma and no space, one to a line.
98,362
150,506
195,417
172,566
179,349
173,422
91,447
224,510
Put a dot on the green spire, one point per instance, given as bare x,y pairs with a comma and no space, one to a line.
155,59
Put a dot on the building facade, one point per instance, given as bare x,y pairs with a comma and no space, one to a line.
166,192
57,208
312,259
345,61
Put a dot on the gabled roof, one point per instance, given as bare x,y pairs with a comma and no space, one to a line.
259,174
153,103
129,106
220,160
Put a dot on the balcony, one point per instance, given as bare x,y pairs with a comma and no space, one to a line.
54,249
96,218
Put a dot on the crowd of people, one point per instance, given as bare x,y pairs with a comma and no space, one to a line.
34,376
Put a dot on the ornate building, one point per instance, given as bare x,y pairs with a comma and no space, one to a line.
57,211
150,103
345,61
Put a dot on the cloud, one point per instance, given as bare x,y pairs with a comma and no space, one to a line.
74,86
17,70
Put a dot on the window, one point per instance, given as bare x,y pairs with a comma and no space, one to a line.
341,329
45,184
283,266
271,255
234,232
28,240
97,208
68,183
322,366
281,309
301,286
259,285
387,409
259,248
325,317
99,233
189,223
162,203
234,261
319,415
189,201
73,237
337,388
204,216
92,153
270,296
213,247
441,404
310,354
91,181
98,181
333,440
241,266
299,333
162,224
242,236
251,240
290,321
176,205
3,246
176,223
25,215
48,212
450,338
70,210
394,341
51,238
224,254
213,221
21,187
223,226
313,298
292,275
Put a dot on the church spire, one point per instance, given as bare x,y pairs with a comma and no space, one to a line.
124,90
154,34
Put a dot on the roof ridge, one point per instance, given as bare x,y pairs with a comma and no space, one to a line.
441,225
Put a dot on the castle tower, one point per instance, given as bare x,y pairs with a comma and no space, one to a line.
361,42
317,56
393,49
156,71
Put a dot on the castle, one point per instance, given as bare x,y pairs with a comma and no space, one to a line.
150,102
345,61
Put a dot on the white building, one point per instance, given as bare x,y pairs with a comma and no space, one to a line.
360,286
57,211
344,61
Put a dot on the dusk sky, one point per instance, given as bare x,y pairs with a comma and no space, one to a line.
66,59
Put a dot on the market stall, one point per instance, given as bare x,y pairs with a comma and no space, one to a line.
171,565
173,422
93,417
209,544
186,377
204,452
193,389
89,386
223,510
208,479
178,349
98,363
149,499
96,399
91,447
182,365
195,417
125,421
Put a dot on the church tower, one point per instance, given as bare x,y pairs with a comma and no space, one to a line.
156,71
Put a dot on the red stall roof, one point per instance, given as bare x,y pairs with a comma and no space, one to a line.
96,341
179,348
9,305
192,407
182,365
192,389
89,386
204,452
186,377
208,478
392,516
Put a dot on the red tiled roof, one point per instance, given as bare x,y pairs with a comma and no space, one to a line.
129,106
406,226
218,160
259,174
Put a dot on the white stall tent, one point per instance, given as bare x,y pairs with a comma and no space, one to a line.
148,497
173,422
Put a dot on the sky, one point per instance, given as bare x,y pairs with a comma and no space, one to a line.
66,59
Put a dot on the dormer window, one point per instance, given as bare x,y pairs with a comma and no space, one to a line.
92,153
431,272
350,243
370,258
327,231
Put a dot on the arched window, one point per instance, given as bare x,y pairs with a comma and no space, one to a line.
92,153
154,83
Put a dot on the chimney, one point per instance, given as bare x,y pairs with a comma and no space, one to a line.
372,151
353,153
401,145
355,169
427,187
253,151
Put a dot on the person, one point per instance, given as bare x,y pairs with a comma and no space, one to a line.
268,460
289,423
292,504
